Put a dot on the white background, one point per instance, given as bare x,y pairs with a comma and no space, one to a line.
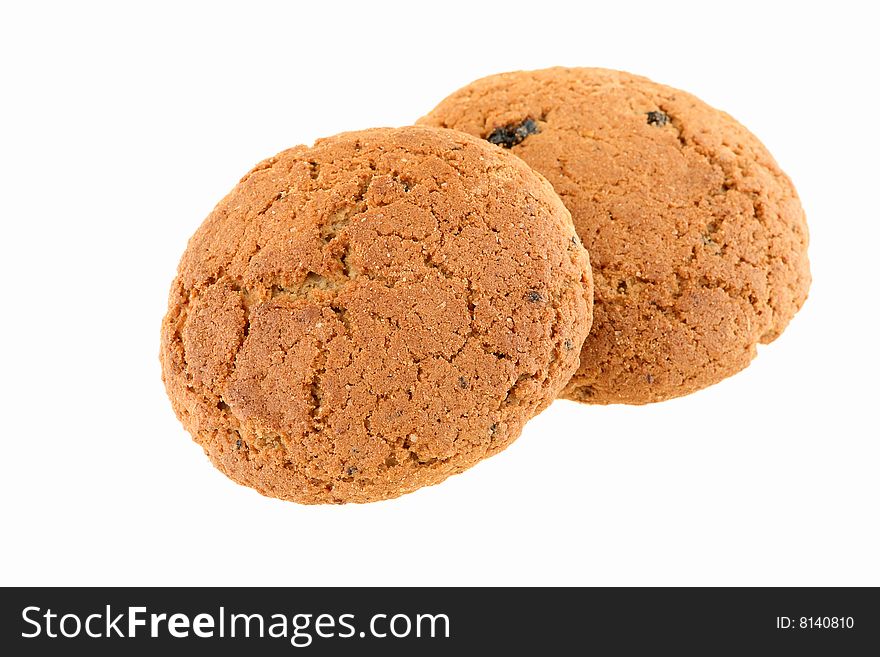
122,127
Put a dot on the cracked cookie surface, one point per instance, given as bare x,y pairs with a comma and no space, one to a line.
370,315
697,239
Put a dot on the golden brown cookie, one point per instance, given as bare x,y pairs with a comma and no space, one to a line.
697,239
370,315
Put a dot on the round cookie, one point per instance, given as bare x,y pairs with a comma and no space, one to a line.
697,239
370,315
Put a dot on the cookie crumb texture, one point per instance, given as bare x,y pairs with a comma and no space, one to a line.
697,239
370,315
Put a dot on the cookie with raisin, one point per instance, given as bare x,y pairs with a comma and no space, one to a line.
697,238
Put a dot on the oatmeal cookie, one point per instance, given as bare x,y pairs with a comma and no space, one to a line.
370,315
697,238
